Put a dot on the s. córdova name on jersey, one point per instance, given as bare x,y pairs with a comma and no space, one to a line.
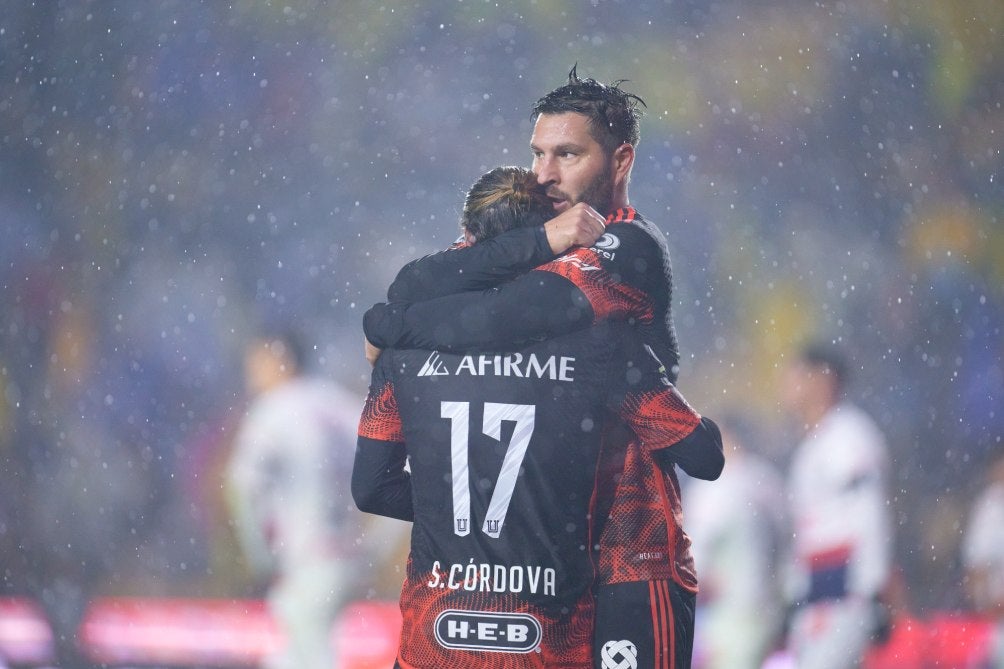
483,577
552,367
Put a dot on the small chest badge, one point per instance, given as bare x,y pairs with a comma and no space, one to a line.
607,242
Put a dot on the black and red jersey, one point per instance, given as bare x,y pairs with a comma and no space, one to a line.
506,455
624,275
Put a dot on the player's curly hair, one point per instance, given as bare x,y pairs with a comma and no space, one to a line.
613,113
503,199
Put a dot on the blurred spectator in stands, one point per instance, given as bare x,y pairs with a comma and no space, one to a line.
290,474
842,530
983,552
737,528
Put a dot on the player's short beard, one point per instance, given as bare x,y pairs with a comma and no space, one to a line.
599,194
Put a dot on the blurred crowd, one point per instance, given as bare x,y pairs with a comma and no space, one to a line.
175,175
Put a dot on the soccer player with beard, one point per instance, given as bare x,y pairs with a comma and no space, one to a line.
544,483
583,144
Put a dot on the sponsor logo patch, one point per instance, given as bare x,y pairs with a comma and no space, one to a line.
481,630
553,367
607,242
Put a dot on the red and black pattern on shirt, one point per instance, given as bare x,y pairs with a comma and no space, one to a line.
604,282
660,333
610,298
380,419
643,537
659,418
566,639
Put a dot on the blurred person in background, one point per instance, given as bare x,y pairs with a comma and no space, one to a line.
841,524
738,528
290,476
983,553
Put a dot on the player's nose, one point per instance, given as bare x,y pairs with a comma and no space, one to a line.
546,174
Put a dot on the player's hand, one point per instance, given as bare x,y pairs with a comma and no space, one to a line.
372,352
580,225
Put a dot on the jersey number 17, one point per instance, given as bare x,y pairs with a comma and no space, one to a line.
458,413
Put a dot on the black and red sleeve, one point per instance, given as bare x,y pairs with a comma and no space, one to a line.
380,483
574,291
463,268
700,454
661,417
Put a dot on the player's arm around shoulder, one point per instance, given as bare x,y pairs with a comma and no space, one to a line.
472,267
533,305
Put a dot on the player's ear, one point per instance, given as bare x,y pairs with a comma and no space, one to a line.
623,160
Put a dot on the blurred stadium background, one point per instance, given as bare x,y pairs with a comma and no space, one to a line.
173,174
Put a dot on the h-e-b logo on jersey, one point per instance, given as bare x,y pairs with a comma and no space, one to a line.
483,630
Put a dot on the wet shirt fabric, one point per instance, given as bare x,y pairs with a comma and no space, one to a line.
505,452
627,276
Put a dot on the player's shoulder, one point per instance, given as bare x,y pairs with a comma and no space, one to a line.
847,421
629,216
848,438
628,229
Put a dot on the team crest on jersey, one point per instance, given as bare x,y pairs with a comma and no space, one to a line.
607,242
484,630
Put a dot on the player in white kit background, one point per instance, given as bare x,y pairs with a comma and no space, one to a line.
983,553
842,526
738,526
290,474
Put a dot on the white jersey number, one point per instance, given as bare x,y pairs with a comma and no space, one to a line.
458,413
